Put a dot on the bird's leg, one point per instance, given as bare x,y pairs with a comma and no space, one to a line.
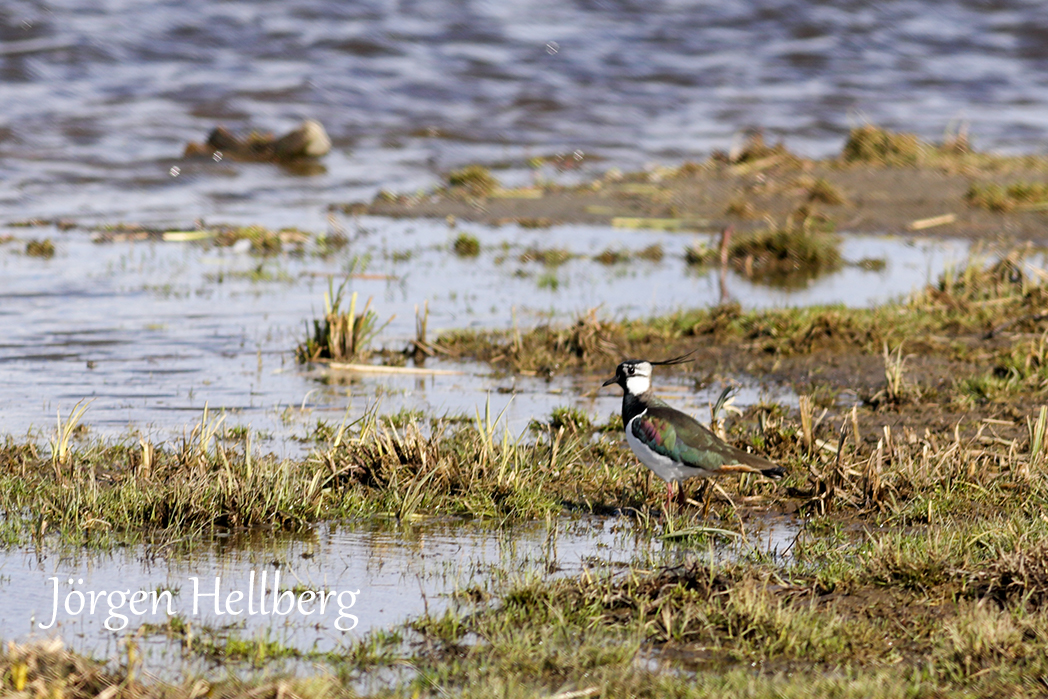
680,496
669,496
707,491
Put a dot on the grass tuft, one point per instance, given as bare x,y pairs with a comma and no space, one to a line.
612,256
61,444
466,245
823,192
342,334
551,257
872,144
699,254
752,149
787,257
741,207
44,249
476,180
572,419
1002,199
652,253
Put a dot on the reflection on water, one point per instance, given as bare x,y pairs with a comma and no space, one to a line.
372,577
152,332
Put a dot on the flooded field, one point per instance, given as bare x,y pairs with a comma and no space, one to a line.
331,523
383,575
523,195
151,332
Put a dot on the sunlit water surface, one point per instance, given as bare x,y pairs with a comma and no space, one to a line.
100,98
381,577
152,332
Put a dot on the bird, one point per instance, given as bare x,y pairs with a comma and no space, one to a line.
674,445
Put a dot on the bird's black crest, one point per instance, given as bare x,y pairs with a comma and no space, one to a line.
683,359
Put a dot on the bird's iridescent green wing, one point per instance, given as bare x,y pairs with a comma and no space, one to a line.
679,436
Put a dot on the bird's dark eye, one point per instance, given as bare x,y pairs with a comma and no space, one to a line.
630,370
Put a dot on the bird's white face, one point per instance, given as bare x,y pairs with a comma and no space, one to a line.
638,377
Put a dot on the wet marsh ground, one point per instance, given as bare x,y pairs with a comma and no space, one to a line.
155,323
903,554
916,567
880,181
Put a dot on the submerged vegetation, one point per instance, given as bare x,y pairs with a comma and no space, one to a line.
466,245
40,248
786,256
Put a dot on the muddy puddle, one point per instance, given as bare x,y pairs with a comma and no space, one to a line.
371,577
152,332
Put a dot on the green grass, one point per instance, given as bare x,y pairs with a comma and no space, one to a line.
1001,199
341,334
788,256
944,317
466,245
872,144
823,191
920,569
551,257
44,249
878,614
95,492
476,180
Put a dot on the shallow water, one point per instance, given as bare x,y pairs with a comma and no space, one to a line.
152,332
100,98
385,576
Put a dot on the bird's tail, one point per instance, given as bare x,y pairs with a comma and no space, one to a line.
774,473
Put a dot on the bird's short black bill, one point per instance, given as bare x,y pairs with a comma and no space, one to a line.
610,381
776,473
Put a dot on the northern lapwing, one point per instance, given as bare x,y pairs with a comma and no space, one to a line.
671,443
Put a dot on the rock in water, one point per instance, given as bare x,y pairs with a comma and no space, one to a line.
220,139
309,140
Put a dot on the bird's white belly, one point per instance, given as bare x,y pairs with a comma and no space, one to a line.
663,466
